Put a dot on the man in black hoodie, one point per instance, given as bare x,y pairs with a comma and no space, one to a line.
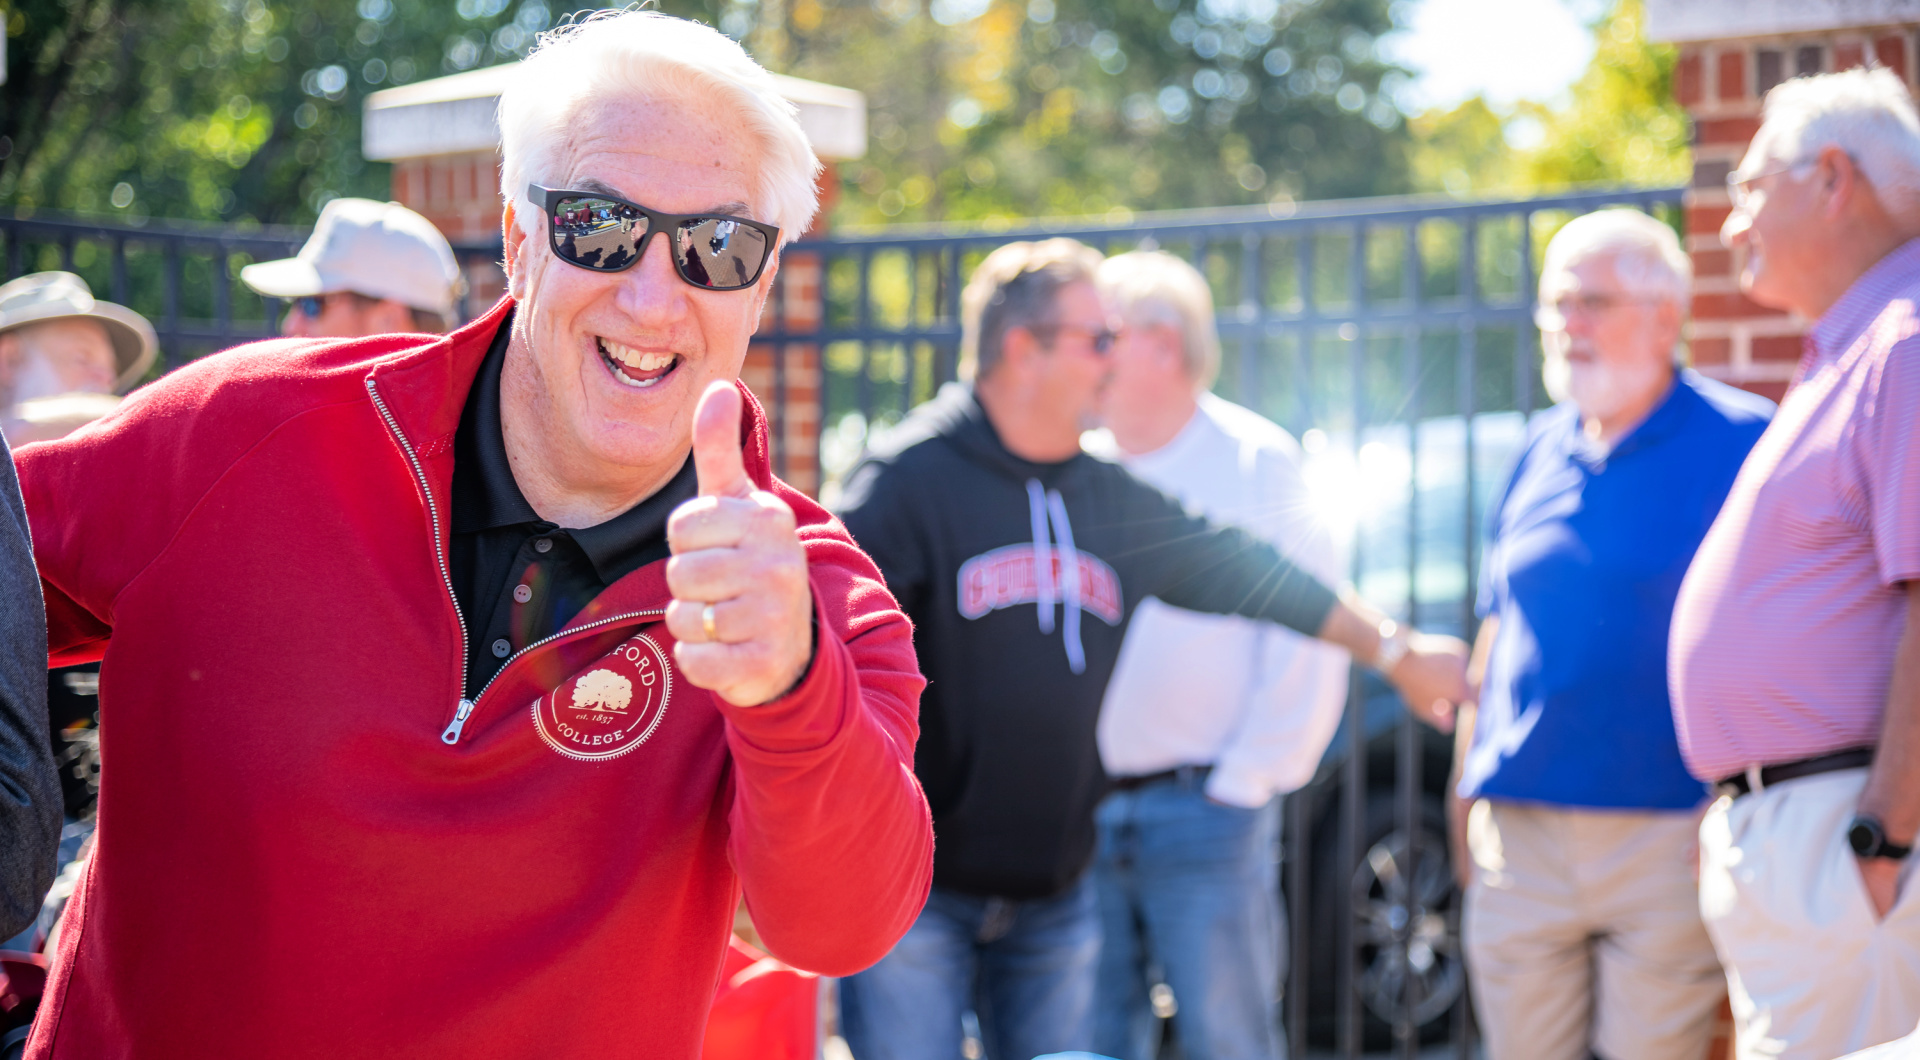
979,504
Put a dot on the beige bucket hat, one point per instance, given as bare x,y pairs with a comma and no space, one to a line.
43,296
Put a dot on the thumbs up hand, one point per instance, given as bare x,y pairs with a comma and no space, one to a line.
742,609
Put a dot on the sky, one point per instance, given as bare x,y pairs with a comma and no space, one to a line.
1507,50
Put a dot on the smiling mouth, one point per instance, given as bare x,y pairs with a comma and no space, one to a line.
636,368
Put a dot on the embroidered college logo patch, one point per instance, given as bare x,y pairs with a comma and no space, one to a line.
1004,577
609,708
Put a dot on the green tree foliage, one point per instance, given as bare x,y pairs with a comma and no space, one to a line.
1010,108
1619,125
233,110
249,110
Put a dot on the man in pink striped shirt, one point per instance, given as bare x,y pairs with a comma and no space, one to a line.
1795,657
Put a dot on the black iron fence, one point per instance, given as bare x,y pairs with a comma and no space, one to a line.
183,277
1393,337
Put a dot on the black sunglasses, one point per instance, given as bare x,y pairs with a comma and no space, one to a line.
714,252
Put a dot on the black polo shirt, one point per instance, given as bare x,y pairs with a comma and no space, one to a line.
518,577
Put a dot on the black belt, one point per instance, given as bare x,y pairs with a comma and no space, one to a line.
1742,783
1192,772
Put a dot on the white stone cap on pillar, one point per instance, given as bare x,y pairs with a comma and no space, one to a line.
1684,21
457,114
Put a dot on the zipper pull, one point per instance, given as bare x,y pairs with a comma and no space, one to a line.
460,716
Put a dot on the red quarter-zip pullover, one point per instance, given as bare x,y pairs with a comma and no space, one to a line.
291,862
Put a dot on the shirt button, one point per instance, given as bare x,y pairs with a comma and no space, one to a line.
522,593
543,544
501,649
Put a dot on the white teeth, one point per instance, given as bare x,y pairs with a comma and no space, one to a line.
640,360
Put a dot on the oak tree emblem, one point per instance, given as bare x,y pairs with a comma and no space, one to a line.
602,691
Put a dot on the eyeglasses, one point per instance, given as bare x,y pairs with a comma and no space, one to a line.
714,252
1553,315
1101,340
1740,188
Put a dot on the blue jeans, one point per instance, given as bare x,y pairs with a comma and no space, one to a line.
1025,968
1189,897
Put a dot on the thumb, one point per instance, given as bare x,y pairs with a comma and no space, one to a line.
717,460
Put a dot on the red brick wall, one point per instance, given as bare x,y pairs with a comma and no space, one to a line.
1721,83
461,195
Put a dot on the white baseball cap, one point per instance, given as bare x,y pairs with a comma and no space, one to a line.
379,249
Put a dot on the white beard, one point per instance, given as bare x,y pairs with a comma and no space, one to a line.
36,379
1599,389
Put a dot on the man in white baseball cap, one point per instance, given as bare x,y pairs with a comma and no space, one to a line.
370,268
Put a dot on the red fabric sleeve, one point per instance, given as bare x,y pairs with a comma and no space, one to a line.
831,835
107,499
102,501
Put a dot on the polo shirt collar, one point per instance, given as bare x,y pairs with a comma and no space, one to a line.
1666,418
486,497
1845,320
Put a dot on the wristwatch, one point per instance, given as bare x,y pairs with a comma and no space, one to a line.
1394,643
1868,838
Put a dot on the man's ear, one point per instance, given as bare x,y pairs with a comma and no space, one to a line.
1839,179
1018,344
1169,348
512,243
765,287
1669,317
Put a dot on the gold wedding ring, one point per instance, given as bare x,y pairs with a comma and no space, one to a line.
706,623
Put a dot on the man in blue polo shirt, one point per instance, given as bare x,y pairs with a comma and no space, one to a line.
1583,932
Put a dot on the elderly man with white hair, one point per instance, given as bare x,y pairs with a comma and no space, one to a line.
1187,863
458,688
1796,651
1582,924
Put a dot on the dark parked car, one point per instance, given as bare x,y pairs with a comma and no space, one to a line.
1393,902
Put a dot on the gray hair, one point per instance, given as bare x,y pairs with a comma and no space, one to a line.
1647,258
1150,287
1868,113
1015,287
644,55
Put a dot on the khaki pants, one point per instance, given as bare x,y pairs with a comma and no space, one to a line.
1583,935
1812,974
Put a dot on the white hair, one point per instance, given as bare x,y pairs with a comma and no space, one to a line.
1154,287
645,56
1868,113
1647,258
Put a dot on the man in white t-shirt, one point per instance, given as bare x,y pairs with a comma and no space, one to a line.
1208,719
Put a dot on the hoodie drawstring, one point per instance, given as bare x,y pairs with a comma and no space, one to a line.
1070,579
1042,555
1042,503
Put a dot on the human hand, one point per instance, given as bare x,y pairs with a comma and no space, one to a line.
1881,877
737,572
1432,677
1459,852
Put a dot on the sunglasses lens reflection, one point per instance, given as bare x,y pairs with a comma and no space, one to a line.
599,234
720,253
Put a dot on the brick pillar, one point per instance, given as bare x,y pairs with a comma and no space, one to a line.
800,308
460,194
1721,83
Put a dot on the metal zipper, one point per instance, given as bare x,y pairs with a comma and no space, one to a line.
465,711
465,707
